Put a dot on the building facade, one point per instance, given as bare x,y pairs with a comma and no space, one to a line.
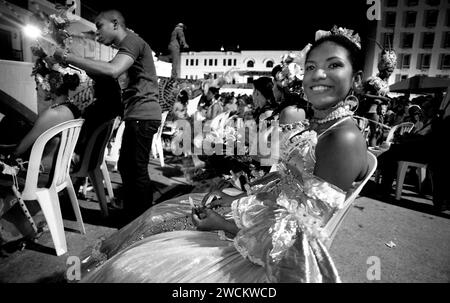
419,31
244,65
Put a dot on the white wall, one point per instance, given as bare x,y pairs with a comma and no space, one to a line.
260,58
16,80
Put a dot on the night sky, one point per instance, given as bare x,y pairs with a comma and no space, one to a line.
253,25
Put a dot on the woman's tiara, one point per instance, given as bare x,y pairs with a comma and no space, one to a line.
341,31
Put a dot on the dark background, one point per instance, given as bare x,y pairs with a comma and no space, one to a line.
249,24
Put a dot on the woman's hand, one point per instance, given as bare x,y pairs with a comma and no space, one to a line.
210,220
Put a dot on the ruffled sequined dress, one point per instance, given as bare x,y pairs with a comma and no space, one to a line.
280,237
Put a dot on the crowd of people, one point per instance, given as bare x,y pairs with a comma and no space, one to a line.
271,231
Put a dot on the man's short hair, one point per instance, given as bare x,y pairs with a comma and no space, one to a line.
112,15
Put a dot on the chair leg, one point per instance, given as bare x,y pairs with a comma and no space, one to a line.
49,202
421,174
154,148
85,186
97,181
107,179
401,172
377,176
160,151
75,205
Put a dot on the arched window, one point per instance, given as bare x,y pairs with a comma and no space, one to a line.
250,63
269,63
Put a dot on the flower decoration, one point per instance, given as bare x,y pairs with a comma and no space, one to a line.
54,33
292,70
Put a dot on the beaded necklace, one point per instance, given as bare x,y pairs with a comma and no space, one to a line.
336,112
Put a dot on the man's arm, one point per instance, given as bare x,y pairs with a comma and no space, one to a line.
117,66
182,39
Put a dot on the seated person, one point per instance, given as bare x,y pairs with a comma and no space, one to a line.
179,110
272,233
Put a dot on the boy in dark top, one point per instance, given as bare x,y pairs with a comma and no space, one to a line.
134,67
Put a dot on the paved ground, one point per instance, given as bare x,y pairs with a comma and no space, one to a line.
421,238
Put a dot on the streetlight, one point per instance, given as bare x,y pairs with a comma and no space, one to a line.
32,31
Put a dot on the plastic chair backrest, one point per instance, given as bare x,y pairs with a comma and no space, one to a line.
404,127
163,121
94,152
69,130
333,224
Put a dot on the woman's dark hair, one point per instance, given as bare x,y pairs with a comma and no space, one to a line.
61,84
265,86
71,82
183,97
355,55
275,70
213,90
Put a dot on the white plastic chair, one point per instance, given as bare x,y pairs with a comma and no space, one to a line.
401,173
48,197
157,146
334,223
93,164
112,156
402,128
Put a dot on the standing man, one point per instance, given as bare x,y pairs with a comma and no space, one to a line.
177,42
134,66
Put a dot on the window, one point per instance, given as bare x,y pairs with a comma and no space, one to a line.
444,61
250,63
423,61
269,64
391,3
230,62
210,62
224,62
187,61
205,62
431,17
404,61
433,2
215,62
234,62
403,77
196,62
390,19
410,19
397,77
407,40
192,61
446,40
447,18
442,76
412,2
427,40
388,40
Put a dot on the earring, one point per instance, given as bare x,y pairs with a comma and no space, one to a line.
351,101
